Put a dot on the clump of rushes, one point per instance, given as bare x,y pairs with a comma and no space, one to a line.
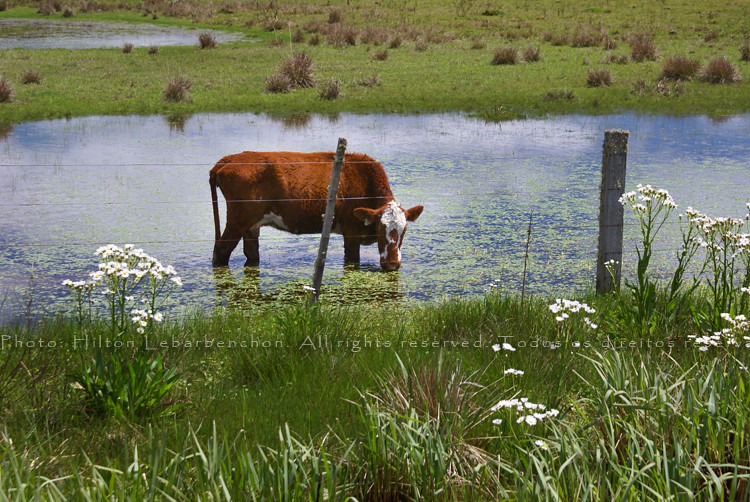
505,55
127,48
275,42
299,70
334,16
679,68
371,81
6,90
720,71
298,37
598,78
565,94
642,47
206,40
614,58
341,36
331,89
531,54
478,44
420,45
395,42
277,84
374,36
745,51
314,40
585,37
154,49
380,55
68,12
30,77
177,89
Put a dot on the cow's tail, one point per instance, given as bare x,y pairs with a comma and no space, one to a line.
215,203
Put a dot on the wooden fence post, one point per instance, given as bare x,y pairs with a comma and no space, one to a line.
611,212
333,188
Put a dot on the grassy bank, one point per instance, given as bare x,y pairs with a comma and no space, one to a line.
426,57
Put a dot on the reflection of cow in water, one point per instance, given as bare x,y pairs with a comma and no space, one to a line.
288,191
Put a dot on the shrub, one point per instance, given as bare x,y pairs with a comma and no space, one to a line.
642,47
6,90
745,51
30,77
277,84
679,68
505,55
299,70
177,89
330,89
720,71
154,49
206,40
298,37
598,78
127,48
380,55
531,54
395,42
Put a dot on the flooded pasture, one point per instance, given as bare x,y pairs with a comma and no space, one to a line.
54,34
69,186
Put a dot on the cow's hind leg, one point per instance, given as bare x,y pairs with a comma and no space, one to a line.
250,244
225,245
351,250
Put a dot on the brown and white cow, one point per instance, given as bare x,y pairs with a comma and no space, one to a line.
288,191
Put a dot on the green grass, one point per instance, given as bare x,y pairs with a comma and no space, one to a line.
447,76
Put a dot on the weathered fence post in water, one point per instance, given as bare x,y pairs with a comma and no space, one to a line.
333,188
614,157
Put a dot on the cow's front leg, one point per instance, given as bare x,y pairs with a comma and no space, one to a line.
251,248
351,250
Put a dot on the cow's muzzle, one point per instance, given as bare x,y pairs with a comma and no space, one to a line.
390,266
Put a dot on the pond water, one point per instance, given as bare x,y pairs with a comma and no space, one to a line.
54,34
69,186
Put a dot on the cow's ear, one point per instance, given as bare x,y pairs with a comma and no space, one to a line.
366,215
413,213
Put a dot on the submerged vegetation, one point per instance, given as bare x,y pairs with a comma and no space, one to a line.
429,56
639,394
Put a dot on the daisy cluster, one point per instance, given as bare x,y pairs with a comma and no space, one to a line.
715,231
529,413
732,336
563,308
645,197
141,318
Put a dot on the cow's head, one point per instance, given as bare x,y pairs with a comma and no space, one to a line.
390,221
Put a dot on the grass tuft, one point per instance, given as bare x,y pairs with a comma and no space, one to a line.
6,90
298,68
395,42
598,78
505,55
478,44
642,47
720,71
745,51
586,36
153,49
380,55
614,58
68,12
342,36
335,15
561,94
177,89
30,77
531,54
277,84
314,40
371,81
206,41
127,48
298,37
330,89
679,68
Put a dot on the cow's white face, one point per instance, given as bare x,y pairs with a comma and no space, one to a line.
391,226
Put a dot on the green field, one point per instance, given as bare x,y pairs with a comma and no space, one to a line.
438,58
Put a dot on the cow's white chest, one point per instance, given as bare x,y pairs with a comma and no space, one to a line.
271,220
